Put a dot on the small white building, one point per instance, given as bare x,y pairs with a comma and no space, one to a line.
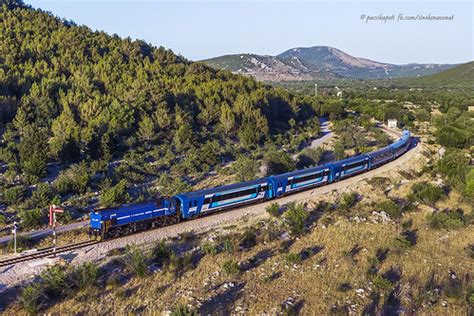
392,123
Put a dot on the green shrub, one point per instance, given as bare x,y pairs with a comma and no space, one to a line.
382,283
31,298
182,310
248,239
41,197
295,218
32,218
14,195
273,209
447,219
426,193
3,220
349,200
179,264
54,281
115,195
401,243
135,261
228,245
85,275
231,267
209,249
162,252
390,207
293,258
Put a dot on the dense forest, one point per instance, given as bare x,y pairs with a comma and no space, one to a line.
73,101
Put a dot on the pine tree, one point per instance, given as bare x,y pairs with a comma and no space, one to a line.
227,118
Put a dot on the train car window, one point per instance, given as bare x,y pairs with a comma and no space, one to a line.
354,165
235,194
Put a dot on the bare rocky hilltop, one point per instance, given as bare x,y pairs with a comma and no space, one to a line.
318,62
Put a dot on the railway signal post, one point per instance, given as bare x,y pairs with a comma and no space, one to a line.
52,222
14,230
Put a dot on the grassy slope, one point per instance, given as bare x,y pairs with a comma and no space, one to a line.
315,283
459,76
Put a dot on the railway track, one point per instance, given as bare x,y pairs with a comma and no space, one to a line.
46,252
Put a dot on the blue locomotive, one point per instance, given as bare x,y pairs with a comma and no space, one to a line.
127,219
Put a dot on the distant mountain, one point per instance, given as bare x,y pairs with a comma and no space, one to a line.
318,62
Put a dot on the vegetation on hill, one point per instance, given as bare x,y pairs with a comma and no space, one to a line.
459,76
73,101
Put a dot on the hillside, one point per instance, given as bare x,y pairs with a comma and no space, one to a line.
318,62
87,117
459,76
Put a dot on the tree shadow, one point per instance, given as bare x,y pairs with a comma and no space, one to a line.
285,245
310,252
221,303
257,260
381,254
290,308
411,236
372,307
392,305
274,276
393,274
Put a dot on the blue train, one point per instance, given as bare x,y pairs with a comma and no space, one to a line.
127,219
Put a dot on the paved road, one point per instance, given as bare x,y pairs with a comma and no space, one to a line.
46,232
326,131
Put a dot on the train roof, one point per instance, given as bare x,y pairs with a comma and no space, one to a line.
381,150
350,160
222,188
302,171
126,207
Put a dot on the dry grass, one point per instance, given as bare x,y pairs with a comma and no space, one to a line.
335,264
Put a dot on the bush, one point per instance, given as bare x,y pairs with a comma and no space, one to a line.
309,157
390,207
231,267
249,239
209,249
14,195
228,245
85,275
426,193
401,243
31,298
179,264
278,162
115,195
41,197
470,251
447,219
32,218
382,283
73,180
3,220
246,168
182,310
135,261
293,258
54,281
295,218
273,209
349,200
162,253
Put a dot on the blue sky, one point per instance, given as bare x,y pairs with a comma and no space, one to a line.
204,29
